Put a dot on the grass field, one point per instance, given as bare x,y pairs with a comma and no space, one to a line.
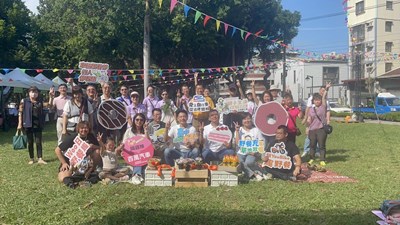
31,194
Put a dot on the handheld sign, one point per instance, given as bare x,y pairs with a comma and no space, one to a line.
278,158
199,104
184,136
93,72
229,105
251,146
77,152
137,151
221,134
112,114
269,117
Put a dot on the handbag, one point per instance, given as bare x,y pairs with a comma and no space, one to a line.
327,128
298,131
19,140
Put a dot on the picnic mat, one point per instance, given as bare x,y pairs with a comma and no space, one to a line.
325,177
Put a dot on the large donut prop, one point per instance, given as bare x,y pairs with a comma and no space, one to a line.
112,114
269,117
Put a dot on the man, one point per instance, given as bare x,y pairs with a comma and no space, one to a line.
322,90
150,101
213,150
282,158
183,137
274,89
107,89
157,138
92,97
65,169
58,104
183,102
201,117
124,98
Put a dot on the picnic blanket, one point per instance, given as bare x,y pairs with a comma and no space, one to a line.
329,176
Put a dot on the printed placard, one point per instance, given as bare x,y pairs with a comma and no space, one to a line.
233,104
92,72
137,151
185,137
220,134
158,134
278,158
199,104
251,146
77,152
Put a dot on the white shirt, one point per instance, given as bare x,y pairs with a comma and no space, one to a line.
212,145
73,112
177,132
253,134
110,160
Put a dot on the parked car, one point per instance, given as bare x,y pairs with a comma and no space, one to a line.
335,107
384,103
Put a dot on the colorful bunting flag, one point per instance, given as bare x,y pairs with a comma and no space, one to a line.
197,16
206,20
160,2
172,6
218,24
186,9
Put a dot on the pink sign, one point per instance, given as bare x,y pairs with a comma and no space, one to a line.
77,152
221,134
269,117
137,151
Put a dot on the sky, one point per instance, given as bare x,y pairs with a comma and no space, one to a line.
323,35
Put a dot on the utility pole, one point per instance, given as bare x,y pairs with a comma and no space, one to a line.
146,48
284,74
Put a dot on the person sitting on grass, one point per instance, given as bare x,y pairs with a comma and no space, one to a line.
213,150
247,133
282,158
182,136
109,153
65,170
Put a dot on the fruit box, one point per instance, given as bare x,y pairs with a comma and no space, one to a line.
191,178
223,178
152,179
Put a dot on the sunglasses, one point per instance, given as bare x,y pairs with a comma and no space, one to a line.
139,119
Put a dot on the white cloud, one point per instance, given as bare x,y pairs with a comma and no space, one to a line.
32,5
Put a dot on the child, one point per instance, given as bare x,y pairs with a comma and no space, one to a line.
109,154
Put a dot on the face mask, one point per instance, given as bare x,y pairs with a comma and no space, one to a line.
33,94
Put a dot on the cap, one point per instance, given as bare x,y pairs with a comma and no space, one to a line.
274,87
77,89
135,93
33,88
248,92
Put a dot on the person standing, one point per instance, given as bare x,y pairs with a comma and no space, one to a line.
167,107
31,118
135,108
183,102
58,104
150,102
126,100
94,99
274,89
293,112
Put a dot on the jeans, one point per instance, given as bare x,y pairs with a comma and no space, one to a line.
307,145
249,164
171,154
139,170
209,155
278,174
37,134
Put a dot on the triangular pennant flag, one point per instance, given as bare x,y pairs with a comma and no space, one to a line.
206,20
217,24
163,78
142,76
151,72
218,70
125,77
202,70
186,9
120,82
76,76
226,27
39,71
242,33
160,2
119,72
233,31
247,36
193,70
134,77
23,70
131,71
209,70
160,72
172,6
179,71
225,69
197,16
258,33
115,78
6,70
70,71
109,72
55,70
187,71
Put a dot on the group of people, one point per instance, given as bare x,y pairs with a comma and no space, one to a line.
186,131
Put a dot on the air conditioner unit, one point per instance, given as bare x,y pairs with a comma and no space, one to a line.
369,24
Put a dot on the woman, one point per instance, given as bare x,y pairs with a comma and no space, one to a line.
167,107
139,128
135,108
31,118
244,135
315,121
75,110
293,112
150,102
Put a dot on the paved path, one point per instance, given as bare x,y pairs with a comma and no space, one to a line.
370,121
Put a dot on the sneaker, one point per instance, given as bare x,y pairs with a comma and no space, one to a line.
41,161
268,176
135,179
258,177
31,162
292,178
322,163
124,178
304,154
311,162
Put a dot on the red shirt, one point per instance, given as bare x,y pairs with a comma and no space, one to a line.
293,113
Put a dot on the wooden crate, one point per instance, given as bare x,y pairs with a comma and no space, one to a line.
192,178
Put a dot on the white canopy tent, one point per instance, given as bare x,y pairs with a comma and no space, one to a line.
18,75
40,77
6,82
58,80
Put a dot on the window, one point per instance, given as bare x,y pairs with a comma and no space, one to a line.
360,8
388,67
330,74
294,76
388,46
389,5
388,26
358,33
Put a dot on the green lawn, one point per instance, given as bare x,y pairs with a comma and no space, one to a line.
367,152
